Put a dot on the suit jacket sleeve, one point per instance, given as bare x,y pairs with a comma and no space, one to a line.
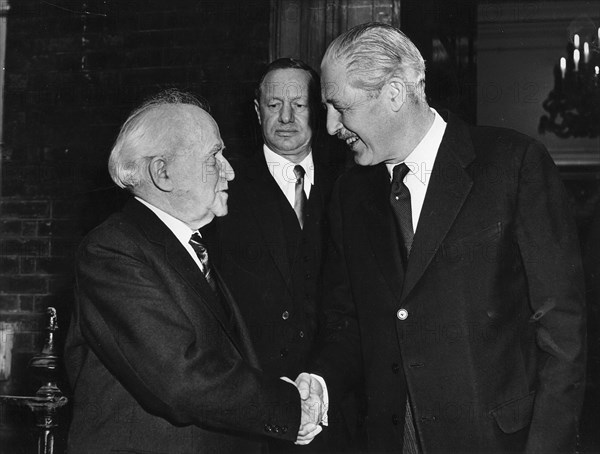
339,360
550,252
186,371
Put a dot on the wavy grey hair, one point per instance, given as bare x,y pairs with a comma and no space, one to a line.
374,53
149,132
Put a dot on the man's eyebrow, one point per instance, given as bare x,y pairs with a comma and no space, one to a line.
333,102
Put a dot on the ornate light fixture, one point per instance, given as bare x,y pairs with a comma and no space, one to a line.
573,105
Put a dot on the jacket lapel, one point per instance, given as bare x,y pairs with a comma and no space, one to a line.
181,262
323,183
448,188
239,325
380,225
267,216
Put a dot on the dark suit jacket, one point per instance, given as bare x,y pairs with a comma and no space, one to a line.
492,351
273,269
272,266
157,363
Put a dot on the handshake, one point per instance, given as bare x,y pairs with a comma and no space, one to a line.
313,405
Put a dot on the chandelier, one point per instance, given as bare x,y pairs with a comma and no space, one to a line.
573,105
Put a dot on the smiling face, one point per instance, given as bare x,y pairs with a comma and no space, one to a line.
284,114
200,173
361,118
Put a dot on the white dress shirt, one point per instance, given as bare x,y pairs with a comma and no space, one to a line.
181,231
282,171
420,162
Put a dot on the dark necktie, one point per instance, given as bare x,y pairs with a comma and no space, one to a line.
400,201
202,253
300,201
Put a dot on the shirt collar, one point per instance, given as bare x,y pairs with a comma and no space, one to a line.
282,169
181,231
423,156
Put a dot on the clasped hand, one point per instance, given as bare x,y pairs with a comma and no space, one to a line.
311,393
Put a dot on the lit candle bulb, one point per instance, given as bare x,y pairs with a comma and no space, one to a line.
599,36
586,52
563,67
596,71
576,41
576,59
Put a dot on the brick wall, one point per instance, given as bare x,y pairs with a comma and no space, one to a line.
74,69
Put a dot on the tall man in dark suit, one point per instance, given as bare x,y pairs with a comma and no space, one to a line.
269,247
454,285
157,353
267,250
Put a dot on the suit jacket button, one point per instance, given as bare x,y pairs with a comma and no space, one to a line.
301,333
395,419
395,368
402,314
284,429
268,428
276,429
285,315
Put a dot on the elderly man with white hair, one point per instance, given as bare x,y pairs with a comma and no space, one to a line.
157,353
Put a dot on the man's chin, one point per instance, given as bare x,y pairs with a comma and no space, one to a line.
362,158
220,211
285,147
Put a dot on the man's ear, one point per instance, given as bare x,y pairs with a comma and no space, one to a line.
397,93
159,174
257,110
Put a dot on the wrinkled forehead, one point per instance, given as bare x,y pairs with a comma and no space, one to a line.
189,125
206,130
289,83
334,79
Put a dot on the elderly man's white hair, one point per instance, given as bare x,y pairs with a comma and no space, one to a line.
149,132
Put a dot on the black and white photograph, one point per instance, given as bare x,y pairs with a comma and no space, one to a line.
299,226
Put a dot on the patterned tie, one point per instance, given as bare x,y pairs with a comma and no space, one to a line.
300,201
202,253
400,201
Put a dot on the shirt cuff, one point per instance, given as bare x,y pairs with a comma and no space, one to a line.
288,380
325,417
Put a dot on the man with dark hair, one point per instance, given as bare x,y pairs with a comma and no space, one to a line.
158,355
269,247
453,287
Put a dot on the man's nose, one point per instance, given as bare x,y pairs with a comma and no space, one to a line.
333,122
226,171
286,114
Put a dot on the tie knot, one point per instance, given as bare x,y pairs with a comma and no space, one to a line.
299,172
399,173
196,238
